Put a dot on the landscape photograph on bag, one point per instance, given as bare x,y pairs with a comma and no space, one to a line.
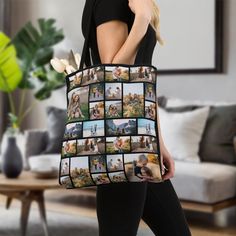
111,132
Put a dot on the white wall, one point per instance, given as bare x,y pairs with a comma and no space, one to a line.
217,87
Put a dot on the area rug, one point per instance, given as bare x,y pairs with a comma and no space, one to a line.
58,224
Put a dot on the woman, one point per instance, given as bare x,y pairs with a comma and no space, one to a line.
126,31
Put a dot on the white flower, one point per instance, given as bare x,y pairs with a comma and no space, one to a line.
65,62
77,59
70,69
58,65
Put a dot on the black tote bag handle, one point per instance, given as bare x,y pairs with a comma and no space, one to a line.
85,57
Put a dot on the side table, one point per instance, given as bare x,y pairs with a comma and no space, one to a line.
27,189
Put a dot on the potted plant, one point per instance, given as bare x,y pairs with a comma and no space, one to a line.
27,67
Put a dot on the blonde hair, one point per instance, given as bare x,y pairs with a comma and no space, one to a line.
155,22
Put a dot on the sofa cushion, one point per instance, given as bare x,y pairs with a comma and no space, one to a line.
217,139
204,182
56,121
182,132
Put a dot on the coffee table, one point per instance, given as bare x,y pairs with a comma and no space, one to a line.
27,188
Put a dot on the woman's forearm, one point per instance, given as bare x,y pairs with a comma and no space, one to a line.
129,49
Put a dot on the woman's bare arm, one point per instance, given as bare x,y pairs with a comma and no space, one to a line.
115,45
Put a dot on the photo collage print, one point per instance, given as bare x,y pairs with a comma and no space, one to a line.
111,133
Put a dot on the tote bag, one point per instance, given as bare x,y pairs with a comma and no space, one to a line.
111,131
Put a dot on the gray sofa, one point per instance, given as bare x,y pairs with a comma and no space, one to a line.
205,186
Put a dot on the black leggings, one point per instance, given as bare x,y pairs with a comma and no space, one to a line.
120,206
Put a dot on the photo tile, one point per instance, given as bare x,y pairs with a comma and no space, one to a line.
66,181
142,167
90,146
73,130
116,73
154,75
150,110
114,162
97,164
75,80
65,166
118,144
143,144
141,74
93,75
113,91
133,100
100,178
120,127
78,104
79,171
116,177
113,109
68,148
96,110
150,92
96,92
146,126
93,128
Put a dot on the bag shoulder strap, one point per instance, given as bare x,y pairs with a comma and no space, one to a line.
85,57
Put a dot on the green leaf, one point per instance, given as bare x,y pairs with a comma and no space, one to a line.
54,81
10,73
35,48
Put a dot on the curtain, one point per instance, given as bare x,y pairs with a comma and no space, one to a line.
5,27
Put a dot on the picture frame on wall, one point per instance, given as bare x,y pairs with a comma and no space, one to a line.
193,35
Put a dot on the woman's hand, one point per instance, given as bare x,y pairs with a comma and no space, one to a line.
142,8
168,163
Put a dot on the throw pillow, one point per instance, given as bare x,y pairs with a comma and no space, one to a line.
182,132
56,120
217,139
